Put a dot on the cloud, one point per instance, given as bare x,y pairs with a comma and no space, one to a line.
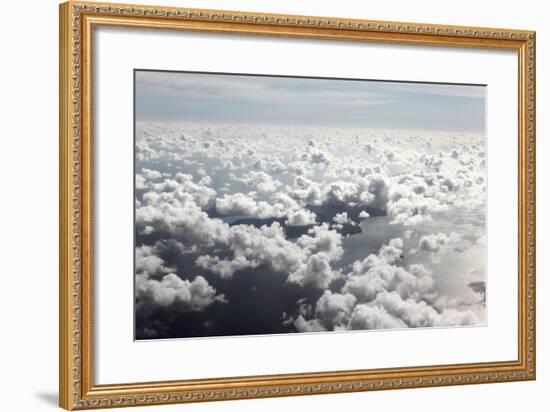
316,271
322,239
373,317
343,219
392,251
148,262
378,187
414,209
306,261
178,191
312,325
418,313
146,177
331,309
171,290
334,308
241,204
150,174
262,182
155,288
378,294
300,217
306,191
376,274
347,192
225,268
315,155
436,243
184,222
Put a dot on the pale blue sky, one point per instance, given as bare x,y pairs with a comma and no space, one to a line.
223,98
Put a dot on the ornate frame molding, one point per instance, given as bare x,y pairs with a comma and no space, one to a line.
77,21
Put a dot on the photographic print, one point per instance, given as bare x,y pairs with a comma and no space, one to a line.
280,204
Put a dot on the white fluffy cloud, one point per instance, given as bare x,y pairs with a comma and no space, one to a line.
171,290
177,191
281,205
316,271
342,219
185,222
322,239
242,204
379,294
373,317
331,309
306,191
413,209
307,261
262,182
436,243
225,268
148,262
418,313
300,217
156,287
146,177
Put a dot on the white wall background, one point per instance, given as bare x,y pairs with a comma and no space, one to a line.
28,206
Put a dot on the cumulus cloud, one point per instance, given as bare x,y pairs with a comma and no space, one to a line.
281,206
379,294
331,309
242,204
316,155
316,271
312,325
184,221
414,209
322,239
262,182
148,262
418,313
342,219
171,290
306,191
225,268
436,243
156,287
300,217
179,190
307,261
373,317
146,177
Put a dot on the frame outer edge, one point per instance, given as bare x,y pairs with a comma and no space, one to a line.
532,127
73,393
66,304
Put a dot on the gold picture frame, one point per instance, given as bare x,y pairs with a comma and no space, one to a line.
76,385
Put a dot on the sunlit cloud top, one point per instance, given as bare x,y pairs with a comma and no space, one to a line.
223,98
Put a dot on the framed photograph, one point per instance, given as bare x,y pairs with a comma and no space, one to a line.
258,205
